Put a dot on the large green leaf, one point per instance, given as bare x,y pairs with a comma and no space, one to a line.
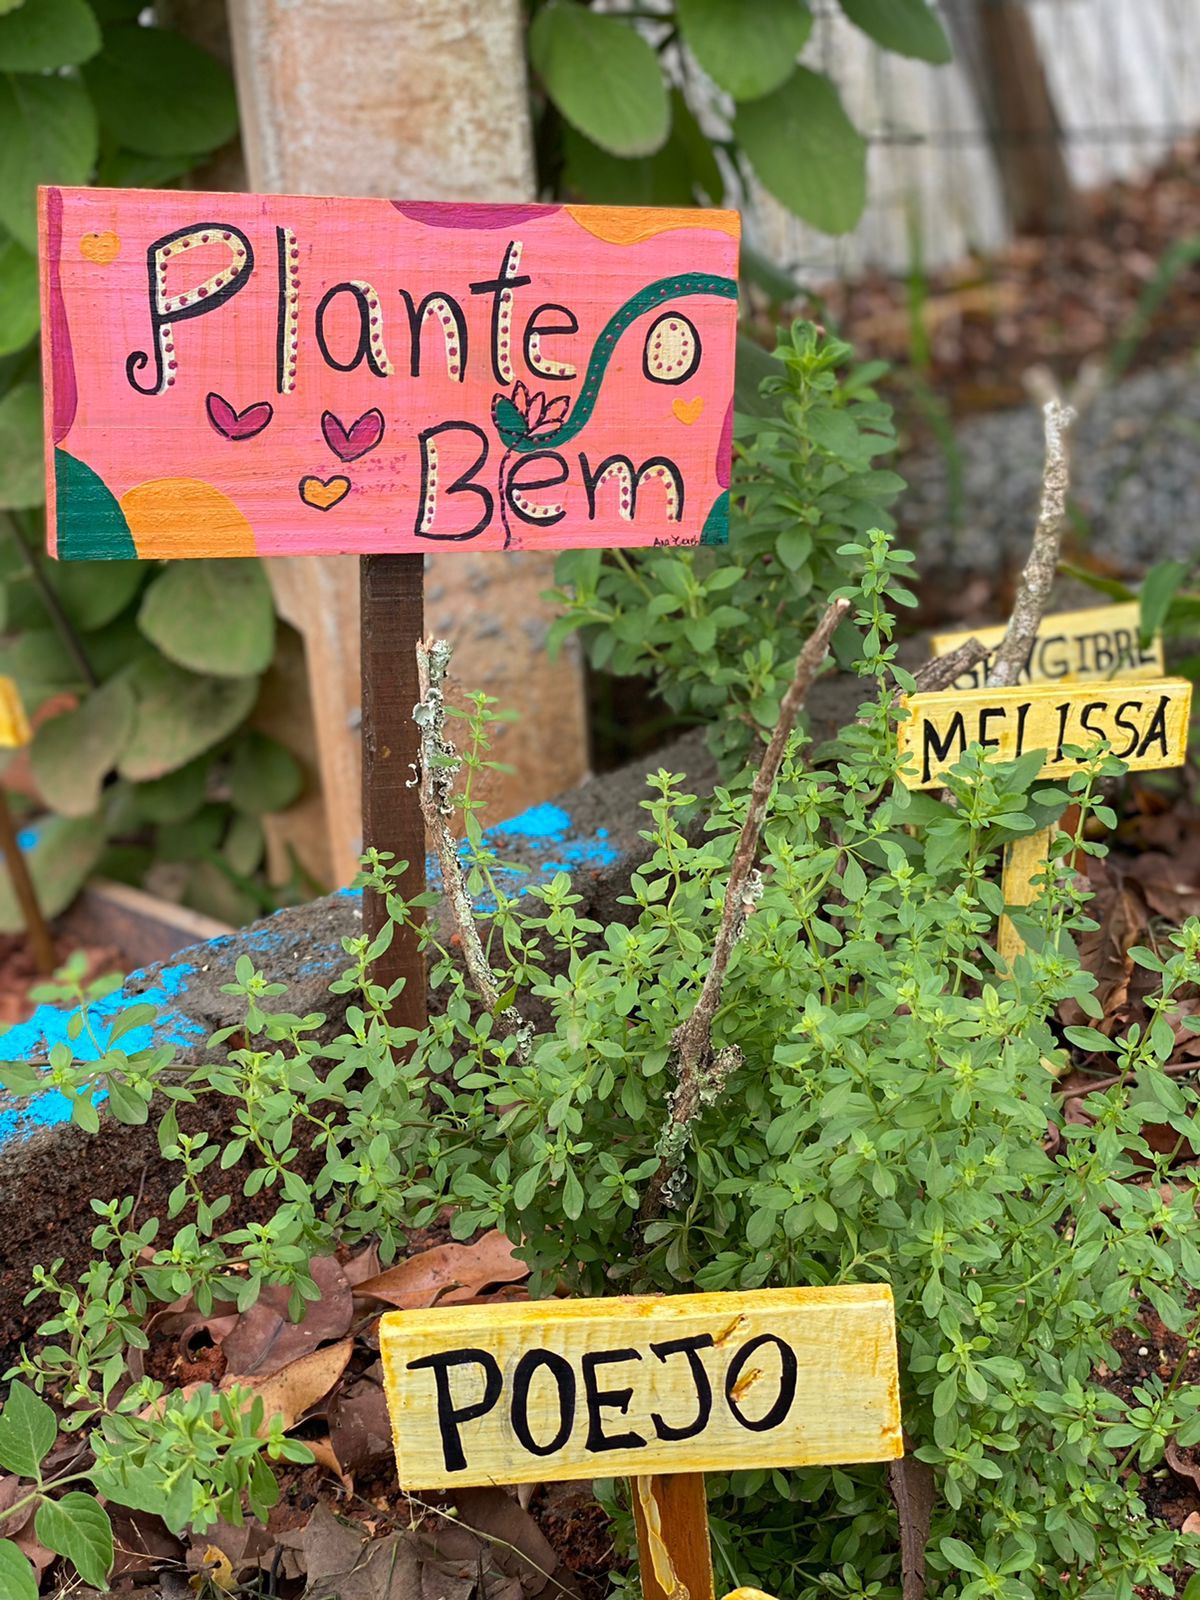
180,715
17,1581
74,753
28,1430
806,151
211,616
48,34
909,27
67,849
19,310
263,775
159,94
93,593
77,1527
22,468
603,76
178,795
669,177
47,135
748,47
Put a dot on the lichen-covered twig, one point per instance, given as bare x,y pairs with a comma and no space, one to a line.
943,672
1033,591
701,1074
439,766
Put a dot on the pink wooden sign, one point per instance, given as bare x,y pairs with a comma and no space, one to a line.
272,375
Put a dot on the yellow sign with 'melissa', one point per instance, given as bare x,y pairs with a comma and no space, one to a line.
550,1390
1070,647
1146,725
14,725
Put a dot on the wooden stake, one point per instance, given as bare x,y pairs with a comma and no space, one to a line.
392,622
671,1512
35,923
1024,858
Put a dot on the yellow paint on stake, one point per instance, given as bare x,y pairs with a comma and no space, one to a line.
14,724
1101,642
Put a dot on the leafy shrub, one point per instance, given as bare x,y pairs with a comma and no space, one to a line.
163,662
885,1118
718,631
624,98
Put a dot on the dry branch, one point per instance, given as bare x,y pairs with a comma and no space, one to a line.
439,766
702,1074
1033,591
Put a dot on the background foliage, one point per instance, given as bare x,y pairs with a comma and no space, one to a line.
153,670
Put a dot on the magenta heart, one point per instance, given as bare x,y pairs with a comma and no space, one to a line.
349,444
238,424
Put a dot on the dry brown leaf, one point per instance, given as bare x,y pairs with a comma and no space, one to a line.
1191,1523
264,1339
520,1547
360,1430
325,1456
294,1391
1183,1461
211,1566
446,1275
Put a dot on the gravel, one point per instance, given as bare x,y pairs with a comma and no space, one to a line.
1135,488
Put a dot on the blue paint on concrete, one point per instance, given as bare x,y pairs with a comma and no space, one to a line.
32,1041
544,831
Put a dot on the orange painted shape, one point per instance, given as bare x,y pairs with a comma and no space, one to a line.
168,514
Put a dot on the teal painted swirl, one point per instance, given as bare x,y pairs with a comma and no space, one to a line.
651,297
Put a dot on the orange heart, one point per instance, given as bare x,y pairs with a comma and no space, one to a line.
688,410
100,248
323,493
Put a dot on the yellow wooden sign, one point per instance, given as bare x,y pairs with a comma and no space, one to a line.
1070,647
1146,725
14,725
561,1389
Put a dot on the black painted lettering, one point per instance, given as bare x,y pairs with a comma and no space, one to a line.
501,290
1156,733
1064,711
1126,726
448,315
689,1347
369,344
563,1375
987,714
450,1416
535,331
205,293
518,484
598,1400
736,1386
938,748
1088,725
431,475
1050,663
1022,718
629,481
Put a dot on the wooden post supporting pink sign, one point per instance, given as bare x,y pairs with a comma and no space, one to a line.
239,375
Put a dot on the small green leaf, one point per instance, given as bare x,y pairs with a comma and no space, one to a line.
909,27
603,76
20,313
1159,588
47,135
94,593
48,34
22,470
73,753
160,95
746,50
77,1527
176,796
211,616
806,151
264,776
244,844
180,715
17,1581
28,1429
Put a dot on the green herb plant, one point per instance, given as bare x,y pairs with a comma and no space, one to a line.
891,1118
153,670
718,631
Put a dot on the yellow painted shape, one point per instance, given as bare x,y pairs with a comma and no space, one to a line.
632,224
172,517
1145,722
14,724
1071,647
688,411
100,248
823,1370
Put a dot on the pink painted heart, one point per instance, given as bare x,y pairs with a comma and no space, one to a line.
350,443
233,424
